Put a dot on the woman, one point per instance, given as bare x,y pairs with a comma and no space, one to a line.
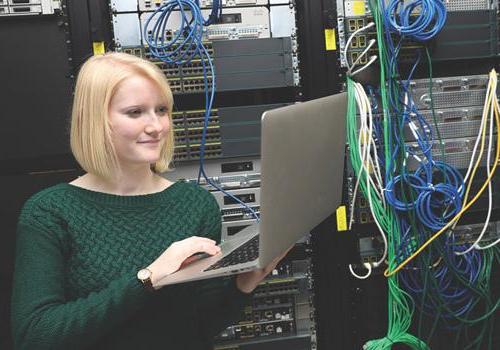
91,254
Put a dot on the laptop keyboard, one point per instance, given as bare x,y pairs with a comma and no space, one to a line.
245,253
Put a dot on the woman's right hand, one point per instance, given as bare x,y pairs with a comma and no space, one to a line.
177,254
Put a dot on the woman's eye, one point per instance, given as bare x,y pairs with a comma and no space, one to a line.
162,110
134,112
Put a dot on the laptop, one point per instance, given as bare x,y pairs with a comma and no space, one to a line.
302,164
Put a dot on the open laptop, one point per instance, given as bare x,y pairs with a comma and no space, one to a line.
302,163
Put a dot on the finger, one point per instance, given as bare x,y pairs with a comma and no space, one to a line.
207,247
201,239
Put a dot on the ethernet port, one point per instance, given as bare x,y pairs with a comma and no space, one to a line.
354,42
362,202
363,59
354,56
270,328
352,25
363,217
360,23
362,41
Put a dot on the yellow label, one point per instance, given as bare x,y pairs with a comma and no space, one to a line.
341,218
358,8
330,42
98,47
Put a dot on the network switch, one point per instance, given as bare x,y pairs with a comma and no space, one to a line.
457,153
236,23
468,234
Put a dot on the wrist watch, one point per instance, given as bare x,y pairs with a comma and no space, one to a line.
144,276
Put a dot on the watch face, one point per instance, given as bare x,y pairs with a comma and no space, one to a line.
143,274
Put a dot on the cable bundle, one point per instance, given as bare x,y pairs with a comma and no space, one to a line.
450,281
186,45
419,20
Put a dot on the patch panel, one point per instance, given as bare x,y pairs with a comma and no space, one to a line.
195,67
169,70
192,152
194,118
192,136
175,85
195,84
193,70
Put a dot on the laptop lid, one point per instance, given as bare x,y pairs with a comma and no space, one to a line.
302,167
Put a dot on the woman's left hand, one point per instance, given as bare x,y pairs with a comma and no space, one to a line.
248,281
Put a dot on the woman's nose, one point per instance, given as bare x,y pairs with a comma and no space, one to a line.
154,125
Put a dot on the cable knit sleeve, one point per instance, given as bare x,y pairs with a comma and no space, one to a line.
42,316
219,300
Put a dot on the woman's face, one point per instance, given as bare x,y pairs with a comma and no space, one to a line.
139,122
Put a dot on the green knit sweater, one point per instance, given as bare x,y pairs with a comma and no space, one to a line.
77,256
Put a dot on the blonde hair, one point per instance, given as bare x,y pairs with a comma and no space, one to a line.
97,82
